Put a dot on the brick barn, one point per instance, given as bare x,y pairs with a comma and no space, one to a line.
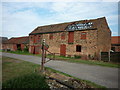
14,44
86,38
115,43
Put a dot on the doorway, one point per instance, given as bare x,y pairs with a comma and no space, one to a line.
62,50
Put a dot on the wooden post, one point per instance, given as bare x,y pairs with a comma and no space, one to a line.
100,55
109,55
43,55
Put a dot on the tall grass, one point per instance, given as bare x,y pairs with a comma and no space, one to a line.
33,80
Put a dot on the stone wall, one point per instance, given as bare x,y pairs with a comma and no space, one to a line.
97,39
11,47
88,45
104,37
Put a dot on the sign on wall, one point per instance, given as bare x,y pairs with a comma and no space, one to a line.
79,26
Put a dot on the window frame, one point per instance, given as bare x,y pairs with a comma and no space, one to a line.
83,35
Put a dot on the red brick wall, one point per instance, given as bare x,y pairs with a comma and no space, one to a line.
35,43
92,42
14,47
22,46
104,37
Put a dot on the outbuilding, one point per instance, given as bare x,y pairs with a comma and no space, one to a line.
16,43
115,43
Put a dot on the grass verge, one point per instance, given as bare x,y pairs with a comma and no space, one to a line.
90,62
100,63
32,80
21,74
13,68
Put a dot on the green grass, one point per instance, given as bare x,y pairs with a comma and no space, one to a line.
20,52
32,80
14,67
85,81
21,74
1,50
100,63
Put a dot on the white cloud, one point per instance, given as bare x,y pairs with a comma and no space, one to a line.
78,11
59,0
21,18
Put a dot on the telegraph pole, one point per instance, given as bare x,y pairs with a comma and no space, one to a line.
43,55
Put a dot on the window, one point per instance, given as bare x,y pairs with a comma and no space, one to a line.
51,36
83,35
78,48
63,36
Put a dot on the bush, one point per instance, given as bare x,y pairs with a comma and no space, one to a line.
19,49
33,80
25,49
77,56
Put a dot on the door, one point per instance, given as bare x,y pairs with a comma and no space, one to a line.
63,50
70,37
37,49
32,49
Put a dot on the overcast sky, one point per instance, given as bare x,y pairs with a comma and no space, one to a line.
20,18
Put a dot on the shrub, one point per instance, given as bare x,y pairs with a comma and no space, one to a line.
33,80
25,49
77,56
19,49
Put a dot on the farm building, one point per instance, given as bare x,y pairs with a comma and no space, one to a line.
18,43
2,40
85,38
115,43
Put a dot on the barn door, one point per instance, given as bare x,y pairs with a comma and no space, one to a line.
32,49
70,37
63,50
36,49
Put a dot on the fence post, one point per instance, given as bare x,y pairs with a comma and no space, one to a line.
43,56
100,55
109,55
